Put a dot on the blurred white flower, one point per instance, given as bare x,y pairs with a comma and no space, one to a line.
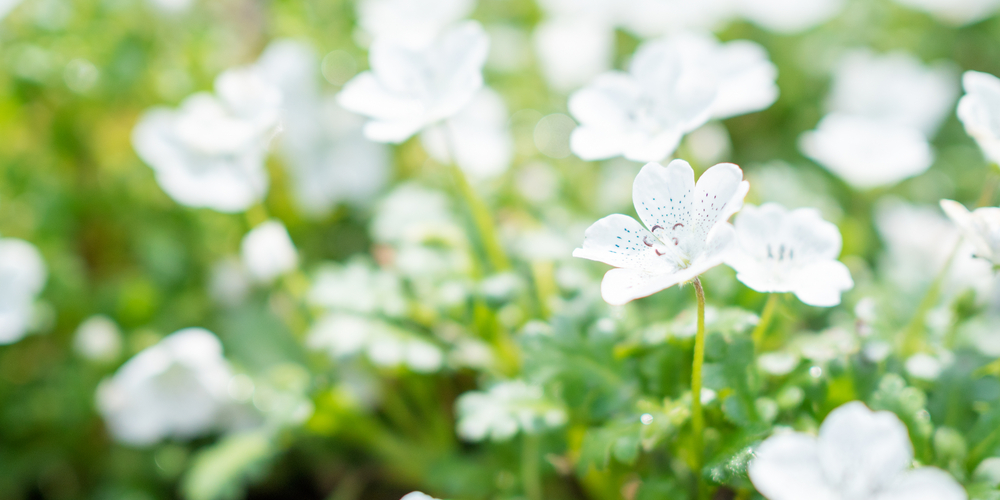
8,5
688,230
407,90
858,455
408,212
229,283
176,388
358,287
827,345
22,276
981,227
653,18
642,115
741,71
98,339
171,6
323,147
417,495
478,136
918,241
955,12
789,251
979,111
210,151
411,23
268,252
343,335
867,153
883,111
788,16
924,366
575,47
503,410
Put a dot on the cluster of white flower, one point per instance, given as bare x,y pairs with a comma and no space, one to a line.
883,110
503,410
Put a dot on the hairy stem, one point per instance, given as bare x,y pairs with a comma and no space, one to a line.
765,321
697,416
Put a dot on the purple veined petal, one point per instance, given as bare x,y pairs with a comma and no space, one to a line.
621,241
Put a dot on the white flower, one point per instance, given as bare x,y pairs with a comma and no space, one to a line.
894,88
979,111
408,212
858,455
740,69
653,18
98,339
22,276
955,12
981,227
789,16
210,151
358,287
504,409
229,283
411,23
867,153
343,335
688,233
884,109
8,5
641,115
789,251
176,388
478,136
268,252
575,42
417,495
406,90
323,147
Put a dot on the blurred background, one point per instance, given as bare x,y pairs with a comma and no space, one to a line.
125,264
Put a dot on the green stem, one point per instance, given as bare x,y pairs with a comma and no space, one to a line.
529,467
543,272
697,416
478,209
913,340
765,321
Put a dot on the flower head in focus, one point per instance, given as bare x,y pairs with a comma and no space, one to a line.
407,90
883,111
22,276
643,114
210,151
176,388
979,111
268,252
794,251
981,227
503,410
687,233
858,455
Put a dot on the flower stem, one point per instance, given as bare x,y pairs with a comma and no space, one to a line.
765,321
697,416
913,334
529,467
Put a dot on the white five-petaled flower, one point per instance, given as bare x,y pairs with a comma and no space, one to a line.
407,90
789,251
979,111
858,455
268,252
981,227
687,233
674,86
883,111
176,388
22,276
210,151
477,136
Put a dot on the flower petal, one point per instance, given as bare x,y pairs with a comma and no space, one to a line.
786,467
861,450
621,286
621,241
822,283
925,483
663,196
